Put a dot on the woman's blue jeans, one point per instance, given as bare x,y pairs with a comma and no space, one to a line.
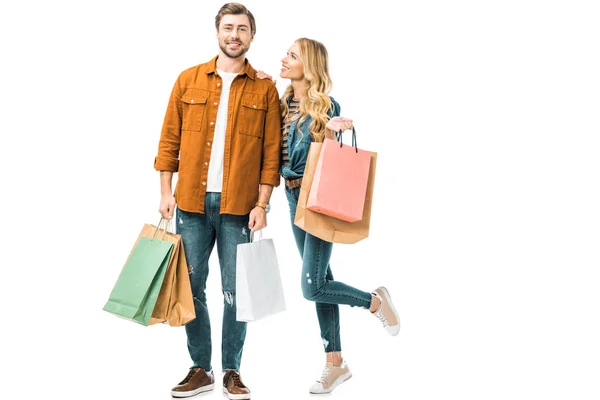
317,280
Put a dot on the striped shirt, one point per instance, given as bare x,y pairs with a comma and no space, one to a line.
293,109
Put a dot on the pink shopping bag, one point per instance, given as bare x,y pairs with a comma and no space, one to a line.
339,186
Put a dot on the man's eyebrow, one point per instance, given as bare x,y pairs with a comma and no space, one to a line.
240,25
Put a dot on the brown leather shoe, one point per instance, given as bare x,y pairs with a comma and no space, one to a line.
196,381
234,387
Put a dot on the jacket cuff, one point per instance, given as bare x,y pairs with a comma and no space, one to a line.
269,178
161,164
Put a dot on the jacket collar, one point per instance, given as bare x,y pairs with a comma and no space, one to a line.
247,70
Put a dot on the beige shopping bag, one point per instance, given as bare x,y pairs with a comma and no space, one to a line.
326,227
175,303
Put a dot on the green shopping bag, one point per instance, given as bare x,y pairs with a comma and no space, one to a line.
136,290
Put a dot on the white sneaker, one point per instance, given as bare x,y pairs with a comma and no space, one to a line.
386,312
331,378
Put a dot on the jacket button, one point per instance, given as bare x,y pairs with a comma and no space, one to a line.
191,101
252,106
218,85
208,143
211,123
205,163
203,183
215,103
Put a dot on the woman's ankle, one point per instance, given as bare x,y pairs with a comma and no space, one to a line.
334,357
375,303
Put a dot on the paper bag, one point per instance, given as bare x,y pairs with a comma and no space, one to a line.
259,291
174,304
326,227
135,293
340,181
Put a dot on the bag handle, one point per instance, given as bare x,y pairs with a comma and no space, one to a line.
338,136
252,235
166,223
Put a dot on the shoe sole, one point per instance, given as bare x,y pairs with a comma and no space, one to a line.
235,396
392,330
194,392
335,384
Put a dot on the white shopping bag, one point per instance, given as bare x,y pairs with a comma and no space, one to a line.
259,291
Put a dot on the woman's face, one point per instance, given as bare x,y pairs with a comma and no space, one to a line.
291,65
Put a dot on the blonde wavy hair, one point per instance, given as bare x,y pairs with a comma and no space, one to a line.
315,101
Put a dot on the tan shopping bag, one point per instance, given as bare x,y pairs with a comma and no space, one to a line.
175,303
326,227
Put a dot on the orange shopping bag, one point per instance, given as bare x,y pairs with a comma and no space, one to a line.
339,185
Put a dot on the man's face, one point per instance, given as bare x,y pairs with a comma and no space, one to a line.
234,35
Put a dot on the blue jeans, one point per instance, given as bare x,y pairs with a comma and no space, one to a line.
199,233
317,280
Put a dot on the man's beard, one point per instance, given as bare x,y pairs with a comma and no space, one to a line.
231,54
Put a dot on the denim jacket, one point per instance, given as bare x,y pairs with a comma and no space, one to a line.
299,144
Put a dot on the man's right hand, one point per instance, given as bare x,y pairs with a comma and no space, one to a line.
167,206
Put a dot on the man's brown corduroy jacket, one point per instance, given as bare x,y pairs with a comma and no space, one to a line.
252,141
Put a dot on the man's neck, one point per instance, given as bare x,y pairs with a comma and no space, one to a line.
233,65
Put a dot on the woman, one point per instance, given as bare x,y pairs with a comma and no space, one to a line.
310,114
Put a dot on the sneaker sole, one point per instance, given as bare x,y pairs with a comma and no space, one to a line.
392,330
335,384
235,396
194,392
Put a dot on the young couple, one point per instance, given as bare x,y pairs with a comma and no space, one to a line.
230,137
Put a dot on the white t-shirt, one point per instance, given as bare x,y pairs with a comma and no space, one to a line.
215,168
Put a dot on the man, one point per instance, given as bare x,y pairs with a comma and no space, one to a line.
221,133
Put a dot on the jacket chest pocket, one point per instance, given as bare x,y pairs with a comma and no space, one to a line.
194,107
253,112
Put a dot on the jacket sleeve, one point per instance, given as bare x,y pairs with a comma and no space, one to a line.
269,174
335,110
170,137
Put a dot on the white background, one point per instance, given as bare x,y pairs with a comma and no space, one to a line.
486,214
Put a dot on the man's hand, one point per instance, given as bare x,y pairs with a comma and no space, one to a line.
258,219
167,206
264,75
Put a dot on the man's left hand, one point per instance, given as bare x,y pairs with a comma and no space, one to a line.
258,219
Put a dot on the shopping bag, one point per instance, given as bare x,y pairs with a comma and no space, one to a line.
135,293
339,185
175,304
259,291
326,227
181,301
